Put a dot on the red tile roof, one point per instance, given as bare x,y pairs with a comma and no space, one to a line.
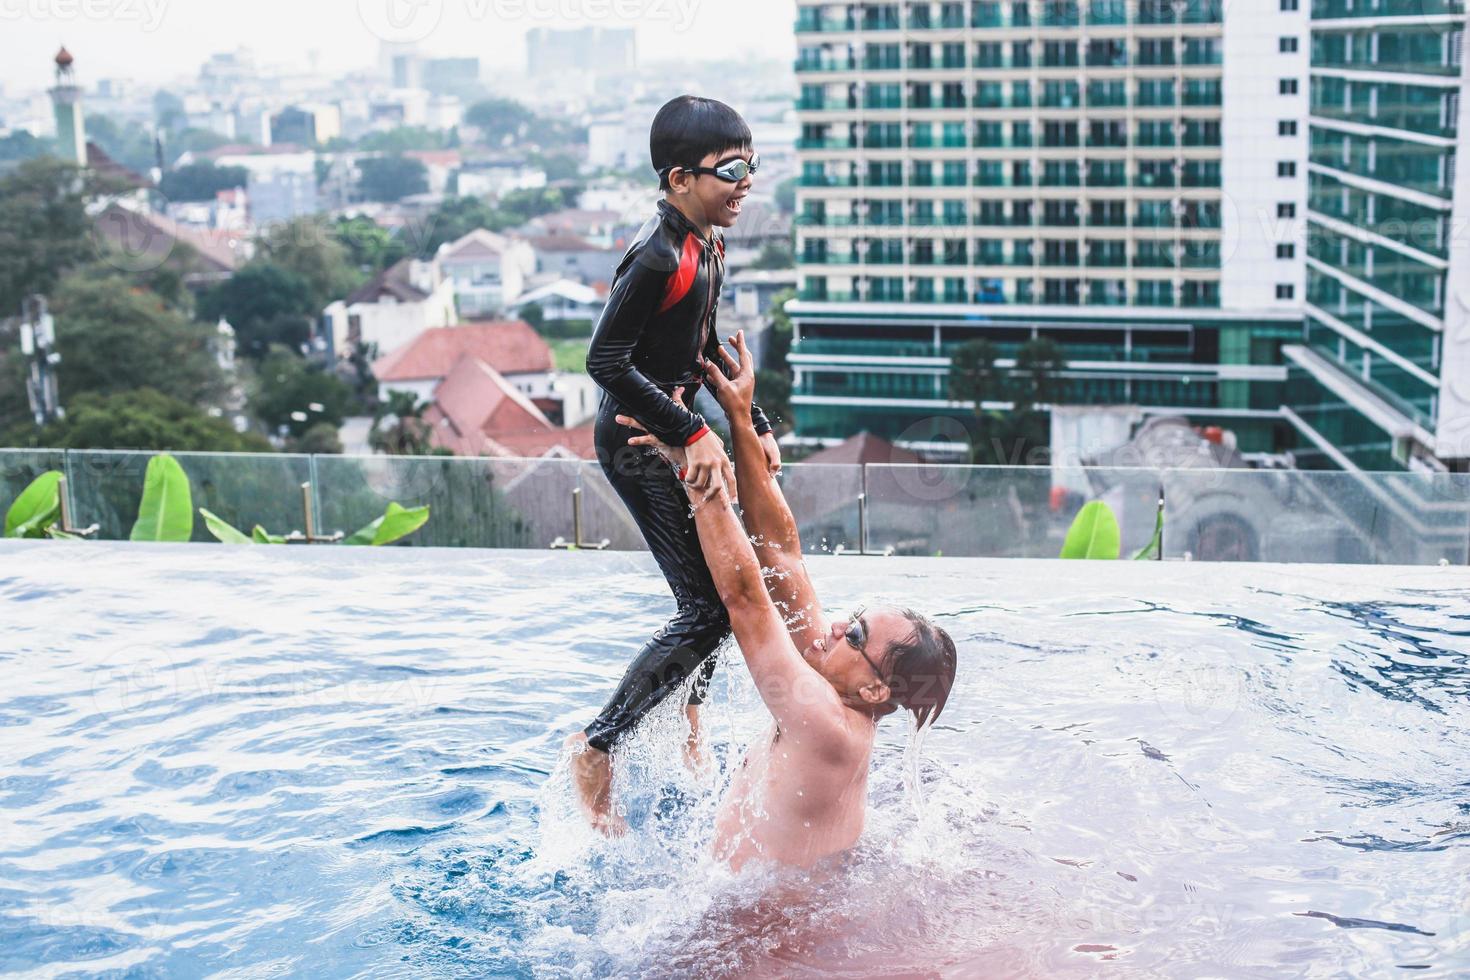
509,346
477,412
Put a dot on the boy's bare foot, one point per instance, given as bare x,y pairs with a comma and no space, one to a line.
694,755
592,779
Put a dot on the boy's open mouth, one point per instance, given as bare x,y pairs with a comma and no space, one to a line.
733,205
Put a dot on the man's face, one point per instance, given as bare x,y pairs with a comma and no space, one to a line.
835,657
720,199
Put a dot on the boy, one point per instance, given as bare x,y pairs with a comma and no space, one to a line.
654,336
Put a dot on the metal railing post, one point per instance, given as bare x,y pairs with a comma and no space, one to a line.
63,497
577,542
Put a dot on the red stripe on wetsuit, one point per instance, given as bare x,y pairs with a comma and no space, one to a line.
678,285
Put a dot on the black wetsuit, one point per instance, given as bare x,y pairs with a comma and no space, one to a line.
659,318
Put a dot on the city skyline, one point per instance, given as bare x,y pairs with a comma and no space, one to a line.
156,42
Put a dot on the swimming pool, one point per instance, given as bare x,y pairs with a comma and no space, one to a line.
334,762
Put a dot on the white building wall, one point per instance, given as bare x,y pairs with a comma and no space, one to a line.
1452,424
1251,190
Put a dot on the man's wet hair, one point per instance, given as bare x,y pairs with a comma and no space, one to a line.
921,669
689,128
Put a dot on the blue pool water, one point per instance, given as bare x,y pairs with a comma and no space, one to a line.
342,762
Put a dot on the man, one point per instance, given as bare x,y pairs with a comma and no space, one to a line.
801,793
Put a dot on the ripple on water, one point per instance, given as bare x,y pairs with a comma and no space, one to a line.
1152,772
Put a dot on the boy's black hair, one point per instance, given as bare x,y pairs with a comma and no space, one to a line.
688,128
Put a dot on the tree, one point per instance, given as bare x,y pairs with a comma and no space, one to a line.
404,138
392,178
201,181
452,219
265,303
398,428
519,206
115,337
44,229
285,384
21,145
974,377
370,247
321,437
500,120
1022,434
144,418
310,249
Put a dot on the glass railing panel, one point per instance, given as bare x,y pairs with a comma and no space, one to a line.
824,500
244,489
18,467
475,502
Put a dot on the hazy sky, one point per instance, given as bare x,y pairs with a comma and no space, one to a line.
161,40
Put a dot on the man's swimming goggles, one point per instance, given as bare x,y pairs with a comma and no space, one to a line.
732,171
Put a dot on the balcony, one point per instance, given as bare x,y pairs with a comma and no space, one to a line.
826,143
817,65
807,22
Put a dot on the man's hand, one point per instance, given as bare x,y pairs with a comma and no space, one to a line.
734,385
705,480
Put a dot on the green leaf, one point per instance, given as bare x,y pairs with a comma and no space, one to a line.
37,506
262,536
1151,550
1093,534
223,529
165,513
397,522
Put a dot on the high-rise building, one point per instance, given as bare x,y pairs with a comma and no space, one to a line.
1382,378
1125,177
596,50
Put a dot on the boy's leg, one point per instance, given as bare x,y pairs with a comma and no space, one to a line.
686,643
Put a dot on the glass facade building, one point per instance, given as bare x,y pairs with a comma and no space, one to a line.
1375,383
1123,178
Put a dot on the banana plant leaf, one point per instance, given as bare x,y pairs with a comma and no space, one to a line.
1093,534
397,522
37,506
222,529
261,536
166,512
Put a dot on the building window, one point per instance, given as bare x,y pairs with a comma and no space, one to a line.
1287,45
1287,86
1286,209
1285,290
1285,251
1286,168
1286,127
1288,5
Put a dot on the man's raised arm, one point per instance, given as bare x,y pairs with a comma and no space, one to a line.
789,687
768,518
